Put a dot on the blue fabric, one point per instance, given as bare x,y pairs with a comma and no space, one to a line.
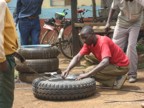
29,31
29,27
26,8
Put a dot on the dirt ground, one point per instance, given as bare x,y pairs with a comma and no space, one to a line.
130,96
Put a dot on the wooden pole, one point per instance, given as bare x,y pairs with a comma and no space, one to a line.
94,10
76,46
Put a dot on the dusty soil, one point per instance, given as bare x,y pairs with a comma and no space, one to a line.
130,96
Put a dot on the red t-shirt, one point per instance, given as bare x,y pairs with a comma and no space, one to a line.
105,47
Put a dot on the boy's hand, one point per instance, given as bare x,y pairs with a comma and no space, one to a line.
81,76
4,66
64,74
107,27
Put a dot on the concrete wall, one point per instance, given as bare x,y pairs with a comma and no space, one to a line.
46,3
88,2
49,11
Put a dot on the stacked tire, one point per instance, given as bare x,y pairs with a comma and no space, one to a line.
39,59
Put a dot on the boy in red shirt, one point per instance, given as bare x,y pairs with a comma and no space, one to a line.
110,56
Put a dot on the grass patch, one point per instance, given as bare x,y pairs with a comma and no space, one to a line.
16,74
140,48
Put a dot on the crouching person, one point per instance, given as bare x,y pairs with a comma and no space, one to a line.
113,63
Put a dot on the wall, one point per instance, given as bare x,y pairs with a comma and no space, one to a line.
48,11
46,3
88,2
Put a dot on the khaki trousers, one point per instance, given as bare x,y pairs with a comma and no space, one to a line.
128,36
109,74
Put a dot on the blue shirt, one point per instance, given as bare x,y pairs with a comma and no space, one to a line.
27,8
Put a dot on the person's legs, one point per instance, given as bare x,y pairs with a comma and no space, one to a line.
132,53
7,85
24,28
111,76
35,33
120,37
90,59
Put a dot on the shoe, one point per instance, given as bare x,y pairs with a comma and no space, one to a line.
142,105
119,82
132,79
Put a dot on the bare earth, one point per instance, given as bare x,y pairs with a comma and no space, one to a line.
130,96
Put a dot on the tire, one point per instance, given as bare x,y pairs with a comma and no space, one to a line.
29,77
39,65
60,89
38,51
66,46
50,37
66,42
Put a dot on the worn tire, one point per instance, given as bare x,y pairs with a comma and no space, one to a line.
39,65
38,51
60,89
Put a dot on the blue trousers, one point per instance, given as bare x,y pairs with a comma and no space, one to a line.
7,84
29,31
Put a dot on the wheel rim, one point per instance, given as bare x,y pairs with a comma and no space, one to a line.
66,45
49,37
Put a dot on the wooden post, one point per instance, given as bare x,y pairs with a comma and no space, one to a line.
94,10
76,46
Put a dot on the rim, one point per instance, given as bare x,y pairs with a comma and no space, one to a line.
59,78
35,46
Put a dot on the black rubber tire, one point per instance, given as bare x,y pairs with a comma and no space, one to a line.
39,65
29,77
39,52
60,89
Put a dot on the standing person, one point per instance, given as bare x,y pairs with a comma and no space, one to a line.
27,17
113,66
127,29
8,45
